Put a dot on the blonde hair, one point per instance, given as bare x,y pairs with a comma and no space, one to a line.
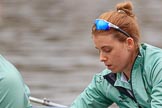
124,18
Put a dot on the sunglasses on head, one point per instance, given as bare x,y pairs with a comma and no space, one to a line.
105,25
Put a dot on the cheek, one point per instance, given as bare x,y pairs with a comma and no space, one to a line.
120,56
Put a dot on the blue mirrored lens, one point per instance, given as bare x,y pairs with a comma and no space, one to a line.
105,25
102,24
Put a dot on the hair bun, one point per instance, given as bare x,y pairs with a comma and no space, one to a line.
126,7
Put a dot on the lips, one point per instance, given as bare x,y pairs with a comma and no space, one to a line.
109,66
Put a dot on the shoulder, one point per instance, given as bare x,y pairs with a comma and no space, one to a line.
8,71
152,61
151,55
149,50
9,76
11,83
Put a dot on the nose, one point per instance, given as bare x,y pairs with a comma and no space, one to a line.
102,57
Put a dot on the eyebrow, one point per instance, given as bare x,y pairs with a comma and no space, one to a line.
104,47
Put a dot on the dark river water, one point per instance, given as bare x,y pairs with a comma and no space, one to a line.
49,41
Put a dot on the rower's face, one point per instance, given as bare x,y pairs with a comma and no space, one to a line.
112,53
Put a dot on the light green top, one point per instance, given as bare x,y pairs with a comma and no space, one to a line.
13,92
145,83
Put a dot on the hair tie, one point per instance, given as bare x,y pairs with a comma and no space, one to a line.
121,11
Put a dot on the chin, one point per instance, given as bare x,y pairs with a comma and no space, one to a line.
114,71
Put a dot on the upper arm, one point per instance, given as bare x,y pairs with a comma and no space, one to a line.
156,92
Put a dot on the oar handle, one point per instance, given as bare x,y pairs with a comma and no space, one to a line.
45,102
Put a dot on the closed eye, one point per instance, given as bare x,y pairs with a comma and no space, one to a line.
107,50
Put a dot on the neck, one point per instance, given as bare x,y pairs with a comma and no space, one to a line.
127,72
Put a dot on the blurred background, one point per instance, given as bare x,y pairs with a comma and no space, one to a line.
49,41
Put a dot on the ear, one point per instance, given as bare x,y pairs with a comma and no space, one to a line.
130,43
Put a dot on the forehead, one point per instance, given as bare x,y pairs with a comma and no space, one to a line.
103,37
104,40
